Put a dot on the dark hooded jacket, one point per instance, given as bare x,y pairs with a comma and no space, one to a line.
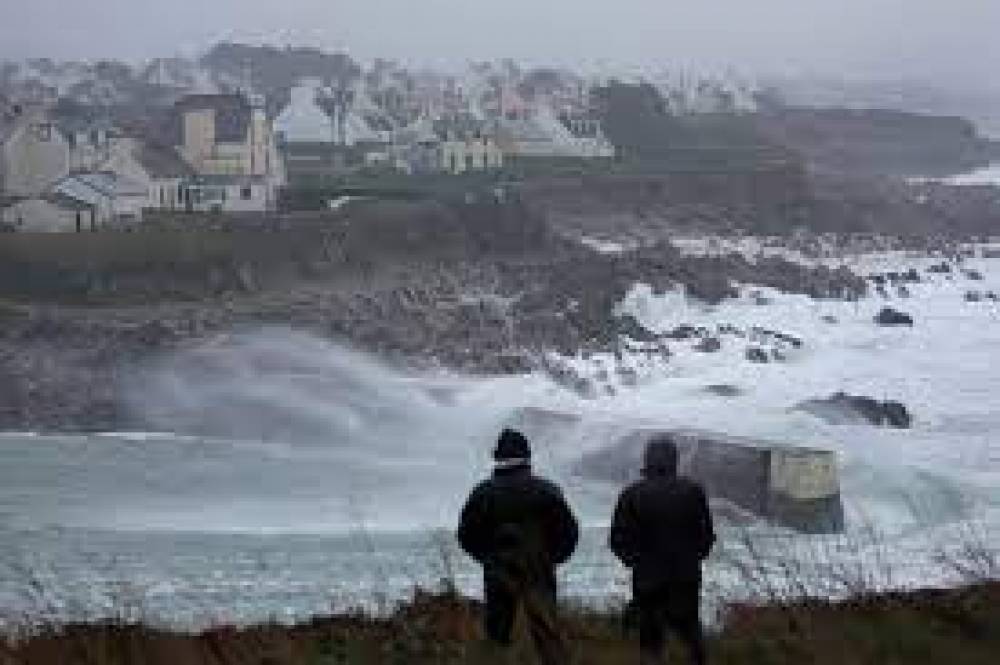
662,530
516,522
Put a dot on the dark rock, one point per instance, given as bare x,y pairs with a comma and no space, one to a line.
628,326
778,355
844,408
682,332
881,290
709,345
973,275
973,296
902,291
892,317
724,390
829,318
942,268
755,354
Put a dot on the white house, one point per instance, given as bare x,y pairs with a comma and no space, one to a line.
50,213
33,153
159,168
304,120
220,193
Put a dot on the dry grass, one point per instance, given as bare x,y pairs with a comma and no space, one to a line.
956,626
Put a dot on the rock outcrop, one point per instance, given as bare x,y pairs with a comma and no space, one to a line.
843,408
891,317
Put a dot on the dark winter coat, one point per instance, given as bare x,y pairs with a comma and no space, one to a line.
662,530
517,523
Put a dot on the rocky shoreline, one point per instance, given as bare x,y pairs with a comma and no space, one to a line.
64,367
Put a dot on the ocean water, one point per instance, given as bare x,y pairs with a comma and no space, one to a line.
322,479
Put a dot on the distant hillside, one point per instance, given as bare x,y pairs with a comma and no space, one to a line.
878,142
638,121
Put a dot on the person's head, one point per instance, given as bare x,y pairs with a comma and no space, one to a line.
661,456
512,450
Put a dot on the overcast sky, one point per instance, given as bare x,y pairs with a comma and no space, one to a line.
944,40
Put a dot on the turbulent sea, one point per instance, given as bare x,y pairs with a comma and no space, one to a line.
325,480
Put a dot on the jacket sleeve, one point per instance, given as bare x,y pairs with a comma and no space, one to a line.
566,531
624,536
473,525
706,529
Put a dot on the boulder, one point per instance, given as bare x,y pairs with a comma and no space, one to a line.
891,317
709,345
683,332
843,408
942,268
973,275
723,390
628,326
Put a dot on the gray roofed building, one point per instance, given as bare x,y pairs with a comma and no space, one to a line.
162,162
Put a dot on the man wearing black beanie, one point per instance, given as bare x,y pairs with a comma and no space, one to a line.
519,528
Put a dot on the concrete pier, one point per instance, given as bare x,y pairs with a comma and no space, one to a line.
793,486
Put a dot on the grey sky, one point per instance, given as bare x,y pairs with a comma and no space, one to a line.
950,40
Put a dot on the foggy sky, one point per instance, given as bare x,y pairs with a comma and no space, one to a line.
952,41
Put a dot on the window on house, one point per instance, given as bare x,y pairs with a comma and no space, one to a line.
95,138
470,163
43,132
246,193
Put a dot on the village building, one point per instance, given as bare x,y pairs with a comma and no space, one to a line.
33,152
228,141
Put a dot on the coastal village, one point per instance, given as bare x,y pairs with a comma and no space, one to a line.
101,146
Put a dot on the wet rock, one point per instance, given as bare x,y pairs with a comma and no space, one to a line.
723,390
891,317
628,326
755,354
943,268
709,345
627,376
683,332
843,408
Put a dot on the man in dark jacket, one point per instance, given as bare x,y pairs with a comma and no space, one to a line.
519,527
662,530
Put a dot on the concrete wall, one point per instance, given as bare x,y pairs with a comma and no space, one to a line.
40,216
797,487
